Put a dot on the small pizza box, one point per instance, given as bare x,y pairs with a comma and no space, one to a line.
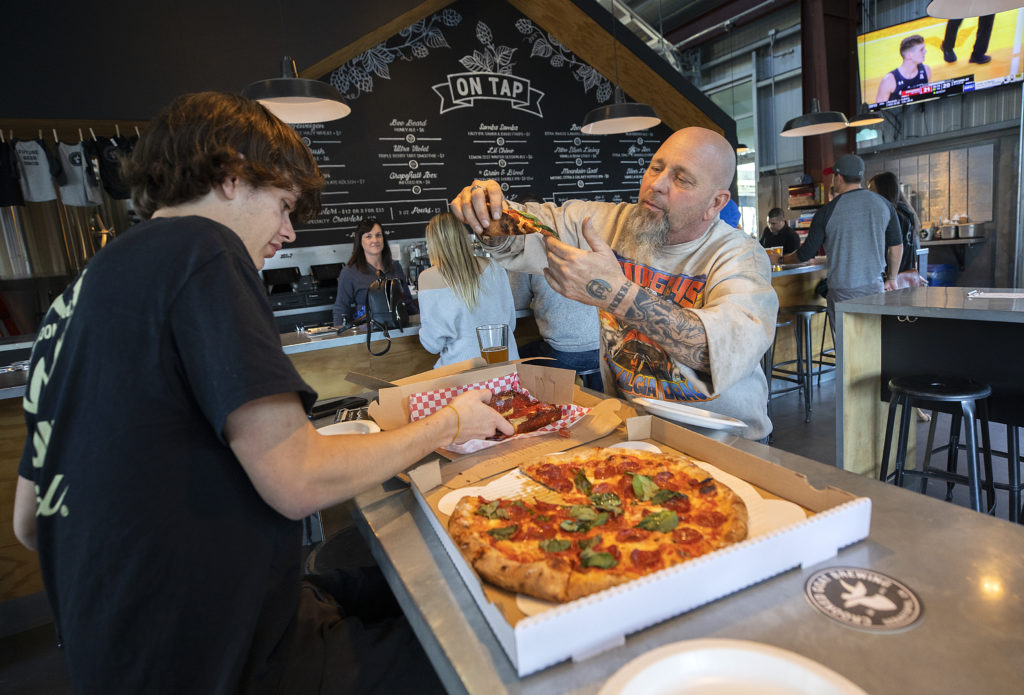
391,409
832,519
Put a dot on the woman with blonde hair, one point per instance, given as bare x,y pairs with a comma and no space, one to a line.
459,292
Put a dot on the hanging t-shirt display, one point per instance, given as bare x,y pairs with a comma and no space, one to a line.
10,188
37,167
80,187
108,153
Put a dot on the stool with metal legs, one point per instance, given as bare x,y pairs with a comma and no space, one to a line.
804,362
963,397
767,362
826,366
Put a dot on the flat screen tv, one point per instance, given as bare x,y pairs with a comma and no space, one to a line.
928,70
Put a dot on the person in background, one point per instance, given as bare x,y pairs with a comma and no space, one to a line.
459,292
861,234
166,503
887,185
570,331
912,72
779,233
981,39
686,303
730,214
371,255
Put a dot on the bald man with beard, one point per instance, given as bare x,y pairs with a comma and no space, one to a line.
686,303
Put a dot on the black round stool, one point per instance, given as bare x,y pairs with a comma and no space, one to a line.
801,316
940,393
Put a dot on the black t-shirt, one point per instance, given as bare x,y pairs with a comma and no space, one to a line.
165,569
787,238
108,152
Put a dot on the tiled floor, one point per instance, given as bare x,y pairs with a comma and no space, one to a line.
30,664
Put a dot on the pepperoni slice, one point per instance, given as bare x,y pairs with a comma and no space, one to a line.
645,559
540,532
608,470
632,535
711,519
680,505
685,534
602,488
663,477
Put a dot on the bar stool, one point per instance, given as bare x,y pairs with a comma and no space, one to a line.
1014,486
941,393
804,372
767,362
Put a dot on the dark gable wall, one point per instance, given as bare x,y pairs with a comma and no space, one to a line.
125,60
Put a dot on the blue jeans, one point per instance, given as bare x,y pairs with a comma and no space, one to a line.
577,361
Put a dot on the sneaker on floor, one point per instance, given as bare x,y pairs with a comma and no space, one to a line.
948,55
980,60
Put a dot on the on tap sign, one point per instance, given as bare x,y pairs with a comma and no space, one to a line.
462,89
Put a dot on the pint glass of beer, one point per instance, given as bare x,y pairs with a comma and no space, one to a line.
493,339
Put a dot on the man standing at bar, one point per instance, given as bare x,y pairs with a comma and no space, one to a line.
686,303
861,234
169,458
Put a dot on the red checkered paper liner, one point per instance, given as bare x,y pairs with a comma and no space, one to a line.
429,402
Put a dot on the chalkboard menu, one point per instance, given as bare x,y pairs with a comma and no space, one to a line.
476,90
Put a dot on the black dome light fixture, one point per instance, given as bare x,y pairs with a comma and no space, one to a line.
622,116
817,122
298,100
865,117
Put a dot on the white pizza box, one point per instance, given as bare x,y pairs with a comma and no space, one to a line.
580,629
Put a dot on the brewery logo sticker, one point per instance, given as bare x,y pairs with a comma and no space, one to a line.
863,599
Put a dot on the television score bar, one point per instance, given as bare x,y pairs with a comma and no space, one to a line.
934,90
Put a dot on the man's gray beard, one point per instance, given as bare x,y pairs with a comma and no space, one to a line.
645,233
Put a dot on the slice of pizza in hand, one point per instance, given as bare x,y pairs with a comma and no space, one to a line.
522,412
515,222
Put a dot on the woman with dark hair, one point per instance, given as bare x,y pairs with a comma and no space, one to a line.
887,185
371,255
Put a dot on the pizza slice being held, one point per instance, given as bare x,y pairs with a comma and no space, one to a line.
524,413
515,222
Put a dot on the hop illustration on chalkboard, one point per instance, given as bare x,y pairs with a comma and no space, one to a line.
492,58
544,45
356,77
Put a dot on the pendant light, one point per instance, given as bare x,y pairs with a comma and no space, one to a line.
865,117
962,9
622,116
817,122
294,99
297,100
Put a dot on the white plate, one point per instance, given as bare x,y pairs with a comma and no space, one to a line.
726,667
350,427
688,414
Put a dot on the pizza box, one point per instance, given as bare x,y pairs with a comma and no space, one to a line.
536,638
391,409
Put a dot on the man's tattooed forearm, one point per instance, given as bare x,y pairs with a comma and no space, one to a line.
619,296
598,289
677,330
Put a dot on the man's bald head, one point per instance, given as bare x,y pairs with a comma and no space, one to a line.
714,151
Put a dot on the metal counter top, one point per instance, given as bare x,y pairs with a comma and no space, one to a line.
973,303
798,268
967,569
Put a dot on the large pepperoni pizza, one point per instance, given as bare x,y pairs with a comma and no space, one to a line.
620,514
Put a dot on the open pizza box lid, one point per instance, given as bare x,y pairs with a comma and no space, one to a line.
536,635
